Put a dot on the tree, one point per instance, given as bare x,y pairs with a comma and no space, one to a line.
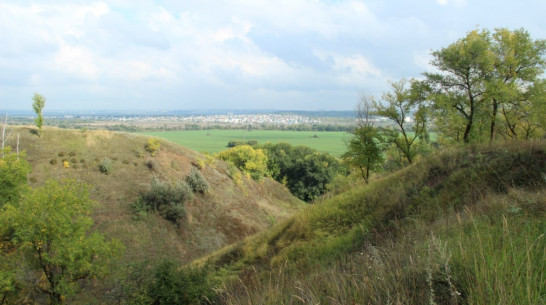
13,175
247,159
363,151
400,104
52,228
460,89
38,105
305,171
518,63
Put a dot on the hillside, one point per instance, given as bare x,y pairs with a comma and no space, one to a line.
228,212
465,226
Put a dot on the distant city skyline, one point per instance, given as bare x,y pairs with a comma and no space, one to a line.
162,55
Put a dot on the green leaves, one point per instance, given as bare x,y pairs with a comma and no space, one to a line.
13,175
38,105
485,82
364,151
52,226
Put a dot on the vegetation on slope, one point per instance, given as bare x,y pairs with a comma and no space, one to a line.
463,227
121,167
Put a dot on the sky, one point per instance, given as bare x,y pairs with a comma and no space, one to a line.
233,54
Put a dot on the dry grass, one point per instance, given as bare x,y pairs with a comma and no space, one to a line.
227,213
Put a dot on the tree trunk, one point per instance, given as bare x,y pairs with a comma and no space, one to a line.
493,119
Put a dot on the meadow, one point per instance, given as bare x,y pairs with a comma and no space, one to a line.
216,140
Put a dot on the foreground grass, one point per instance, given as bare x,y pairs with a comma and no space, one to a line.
464,227
213,141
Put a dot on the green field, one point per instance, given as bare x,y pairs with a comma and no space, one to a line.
216,140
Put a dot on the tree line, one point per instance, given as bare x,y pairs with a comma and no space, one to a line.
488,86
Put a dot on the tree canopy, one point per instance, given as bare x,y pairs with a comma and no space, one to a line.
38,105
52,228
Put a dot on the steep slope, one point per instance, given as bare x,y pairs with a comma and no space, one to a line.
464,226
228,212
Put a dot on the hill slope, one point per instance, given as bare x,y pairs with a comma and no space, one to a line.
227,213
464,226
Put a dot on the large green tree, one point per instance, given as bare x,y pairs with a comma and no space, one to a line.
305,171
514,86
405,107
51,227
461,85
38,105
485,79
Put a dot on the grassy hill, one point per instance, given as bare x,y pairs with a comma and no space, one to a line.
227,213
465,226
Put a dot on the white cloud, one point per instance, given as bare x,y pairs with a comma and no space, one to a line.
303,52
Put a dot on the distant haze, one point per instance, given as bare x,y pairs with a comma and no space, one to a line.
151,55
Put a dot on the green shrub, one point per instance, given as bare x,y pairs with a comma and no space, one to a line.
61,154
166,199
53,161
105,166
72,153
172,285
197,181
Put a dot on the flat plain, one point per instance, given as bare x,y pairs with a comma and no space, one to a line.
216,140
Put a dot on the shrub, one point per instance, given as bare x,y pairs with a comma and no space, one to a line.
72,153
247,159
152,164
61,154
125,161
167,199
172,285
53,161
197,181
152,146
105,166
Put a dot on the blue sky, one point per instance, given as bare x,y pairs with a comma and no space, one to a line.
236,54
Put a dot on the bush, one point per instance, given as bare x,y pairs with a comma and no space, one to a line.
166,199
105,166
152,164
247,159
197,181
172,285
53,161
152,146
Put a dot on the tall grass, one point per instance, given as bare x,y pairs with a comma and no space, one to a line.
494,258
465,227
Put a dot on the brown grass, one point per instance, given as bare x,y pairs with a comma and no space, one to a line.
227,213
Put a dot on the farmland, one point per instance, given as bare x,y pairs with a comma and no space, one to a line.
215,140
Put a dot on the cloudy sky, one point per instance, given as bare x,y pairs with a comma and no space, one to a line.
236,54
